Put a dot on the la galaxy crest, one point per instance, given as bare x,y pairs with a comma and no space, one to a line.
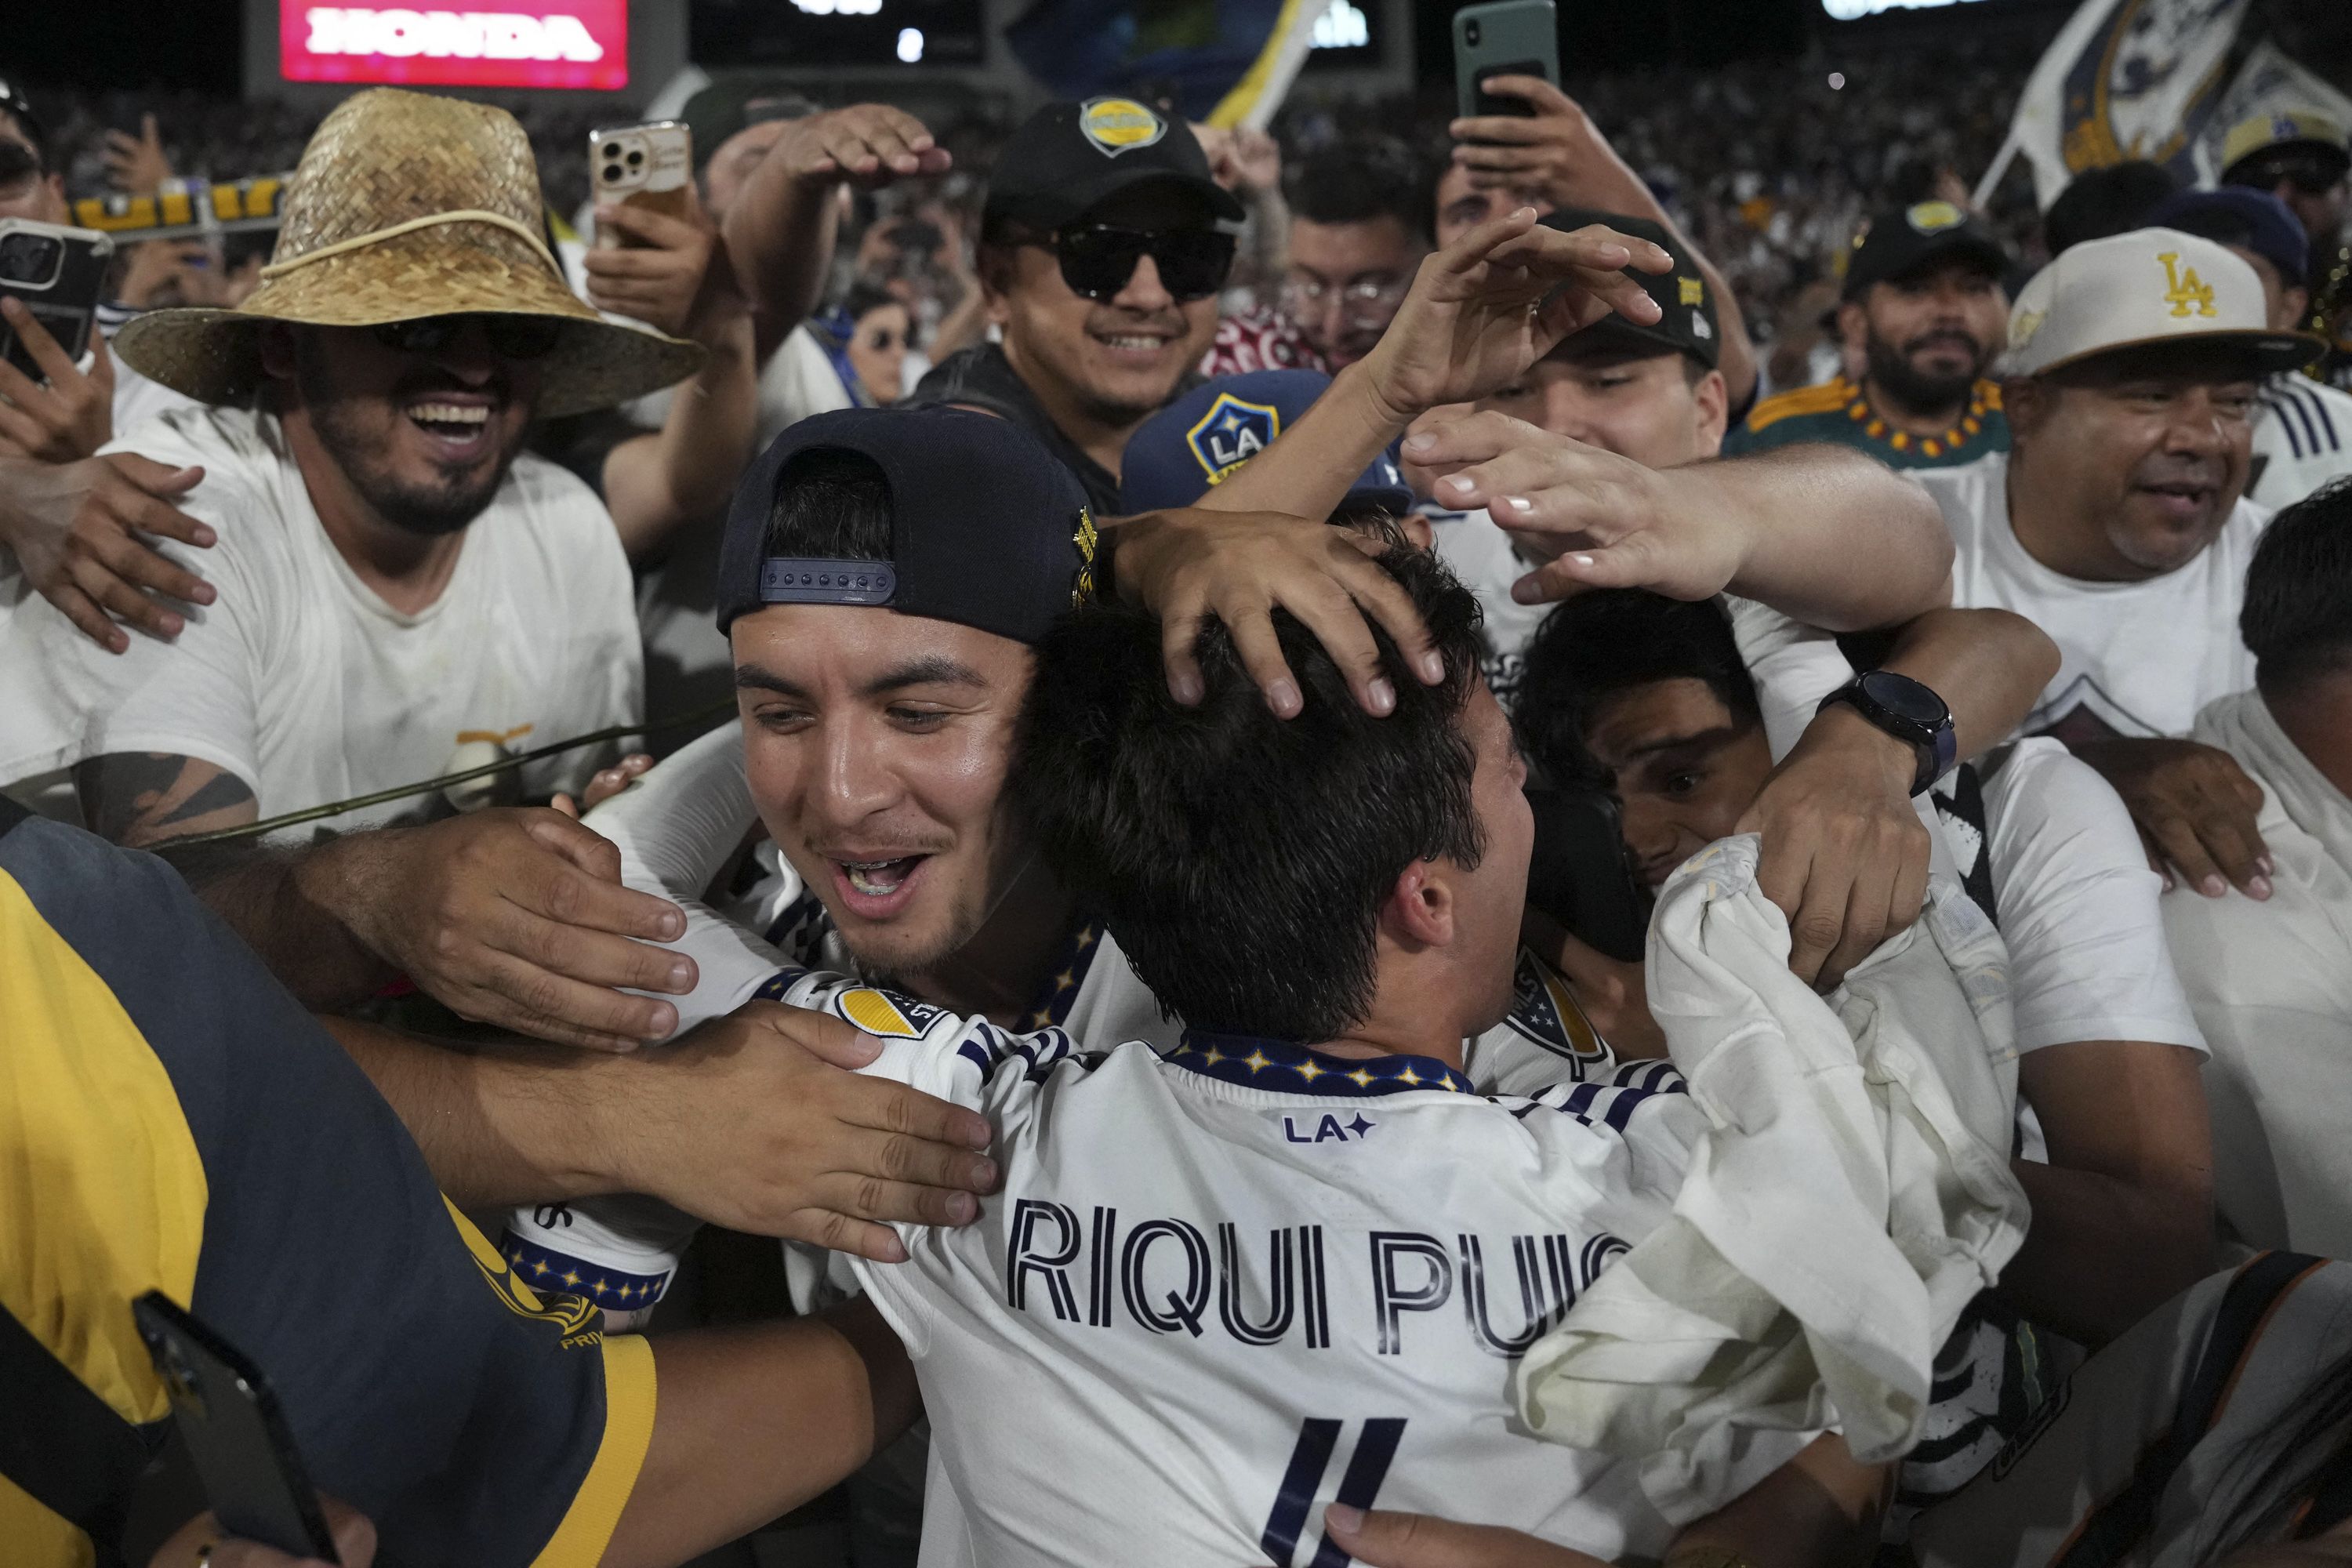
1231,433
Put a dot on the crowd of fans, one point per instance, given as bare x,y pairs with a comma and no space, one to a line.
1601,836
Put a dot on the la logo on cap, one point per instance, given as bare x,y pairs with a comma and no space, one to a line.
1934,217
1117,125
1231,433
2183,288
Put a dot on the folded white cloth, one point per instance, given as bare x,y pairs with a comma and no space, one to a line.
1850,1198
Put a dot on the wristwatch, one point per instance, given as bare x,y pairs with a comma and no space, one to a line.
1908,712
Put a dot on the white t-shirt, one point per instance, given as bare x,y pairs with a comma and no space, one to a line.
301,682
2135,658
2301,430
1226,1287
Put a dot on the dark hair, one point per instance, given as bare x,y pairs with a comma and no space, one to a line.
1360,178
832,504
2098,203
862,298
2297,620
1600,644
1242,859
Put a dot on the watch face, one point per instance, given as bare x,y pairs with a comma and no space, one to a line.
1905,698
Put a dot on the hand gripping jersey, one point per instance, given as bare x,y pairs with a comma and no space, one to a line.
1226,1287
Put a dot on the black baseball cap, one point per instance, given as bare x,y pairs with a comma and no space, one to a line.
987,530
1910,240
1068,156
1686,320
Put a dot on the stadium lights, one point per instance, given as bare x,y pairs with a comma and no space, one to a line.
910,44
1853,10
1340,27
838,7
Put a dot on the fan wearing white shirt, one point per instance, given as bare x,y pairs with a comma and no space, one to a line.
408,591
2118,524
2271,981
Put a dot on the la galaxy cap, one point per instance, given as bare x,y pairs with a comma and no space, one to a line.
2151,286
2296,127
1910,240
1199,440
1068,156
1686,321
986,528
2244,217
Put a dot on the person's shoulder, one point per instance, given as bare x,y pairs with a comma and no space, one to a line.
562,516
234,446
1969,494
2040,782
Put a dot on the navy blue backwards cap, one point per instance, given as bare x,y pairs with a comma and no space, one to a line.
987,530
1200,438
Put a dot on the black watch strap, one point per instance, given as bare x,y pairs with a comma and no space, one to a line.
1909,711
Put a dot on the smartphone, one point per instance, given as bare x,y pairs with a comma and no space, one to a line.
58,273
1509,37
1580,875
645,165
255,1480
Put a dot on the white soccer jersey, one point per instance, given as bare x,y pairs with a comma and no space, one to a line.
1223,1287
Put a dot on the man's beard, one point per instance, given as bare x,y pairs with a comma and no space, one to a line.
1917,392
431,510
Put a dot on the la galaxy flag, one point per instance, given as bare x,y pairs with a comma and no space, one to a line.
2123,79
1223,62
2269,83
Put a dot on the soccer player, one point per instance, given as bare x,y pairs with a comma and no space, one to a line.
1266,1269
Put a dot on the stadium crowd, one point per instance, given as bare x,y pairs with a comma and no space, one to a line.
1606,836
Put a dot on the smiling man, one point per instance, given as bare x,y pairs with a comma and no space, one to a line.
1102,257
400,586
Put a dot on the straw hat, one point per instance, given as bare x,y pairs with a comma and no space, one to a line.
403,205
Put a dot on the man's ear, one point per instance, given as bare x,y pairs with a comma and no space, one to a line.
277,344
2294,301
1420,908
1713,397
2026,401
994,263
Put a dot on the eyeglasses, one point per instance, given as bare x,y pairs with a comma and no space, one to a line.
1368,300
1098,259
510,337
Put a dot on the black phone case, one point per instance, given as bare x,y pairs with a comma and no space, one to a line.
254,1478
1580,875
67,309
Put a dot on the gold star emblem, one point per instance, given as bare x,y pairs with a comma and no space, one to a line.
1086,939
1360,1078
1065,980
1255,1061
1212,1055
540,1267
1409,1076
571,1276
1310,1072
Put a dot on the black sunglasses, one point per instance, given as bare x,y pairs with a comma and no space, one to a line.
510,337
1098,259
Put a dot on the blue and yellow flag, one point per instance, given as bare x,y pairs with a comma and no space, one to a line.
1225,62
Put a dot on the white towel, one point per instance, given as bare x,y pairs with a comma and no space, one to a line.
1853,1196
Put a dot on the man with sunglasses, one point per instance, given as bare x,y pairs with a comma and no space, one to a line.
403,590
1104,244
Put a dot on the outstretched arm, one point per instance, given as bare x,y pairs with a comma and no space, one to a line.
750,1423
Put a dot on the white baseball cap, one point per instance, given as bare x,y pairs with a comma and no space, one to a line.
2151,286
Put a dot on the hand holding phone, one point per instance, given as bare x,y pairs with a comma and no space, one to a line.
244,1453
646,166
56,273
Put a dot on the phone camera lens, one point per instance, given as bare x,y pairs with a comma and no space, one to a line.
611,171
1470,34
636,158
31,258
612,149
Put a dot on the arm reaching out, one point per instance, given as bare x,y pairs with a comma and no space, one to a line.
1824,535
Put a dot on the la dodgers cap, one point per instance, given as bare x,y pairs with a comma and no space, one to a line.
1910,240
1199,440
2150,286
2240,215
1068,156
986,528
1687,322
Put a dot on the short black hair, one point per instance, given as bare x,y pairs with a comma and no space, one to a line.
1240,859
831,504
1602,644
2099,203
2297,619
1358,178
